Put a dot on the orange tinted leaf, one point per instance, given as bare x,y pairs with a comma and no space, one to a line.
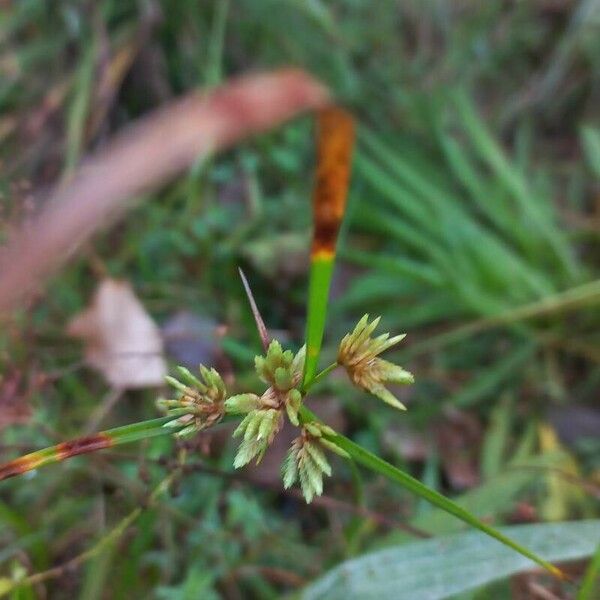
335,139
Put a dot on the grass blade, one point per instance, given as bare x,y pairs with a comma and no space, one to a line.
490,379
378,465
373,462
528,204
335,139
590,140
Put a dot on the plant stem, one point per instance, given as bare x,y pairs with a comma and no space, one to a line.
320,376
335,141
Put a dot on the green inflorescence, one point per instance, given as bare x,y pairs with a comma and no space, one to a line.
202,402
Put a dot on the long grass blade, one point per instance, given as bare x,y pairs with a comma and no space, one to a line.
529,205
335,140
373,462
378,465
85,445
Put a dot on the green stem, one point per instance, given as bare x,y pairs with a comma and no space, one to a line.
583,295
378,465
320,376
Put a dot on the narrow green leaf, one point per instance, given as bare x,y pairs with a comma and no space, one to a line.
590,140
529,205
496,439
378,465
321,270
490,379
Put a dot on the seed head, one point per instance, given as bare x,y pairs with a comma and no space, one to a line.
259,427
358,353
280,369
200,402
306,460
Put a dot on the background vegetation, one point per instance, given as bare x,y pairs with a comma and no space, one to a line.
473,226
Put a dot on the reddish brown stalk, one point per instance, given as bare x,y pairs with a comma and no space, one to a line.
85,444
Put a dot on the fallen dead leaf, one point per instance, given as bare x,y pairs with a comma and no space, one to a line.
121,340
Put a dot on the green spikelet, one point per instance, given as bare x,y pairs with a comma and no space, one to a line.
200,402
306,461
358,353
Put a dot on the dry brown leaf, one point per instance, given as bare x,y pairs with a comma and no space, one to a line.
121,340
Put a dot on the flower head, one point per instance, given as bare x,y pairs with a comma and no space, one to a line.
282,371
200,402
306,460
358,353
259,428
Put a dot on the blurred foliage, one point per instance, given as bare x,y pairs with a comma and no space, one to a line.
473,226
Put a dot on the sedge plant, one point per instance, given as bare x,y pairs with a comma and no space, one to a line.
201,400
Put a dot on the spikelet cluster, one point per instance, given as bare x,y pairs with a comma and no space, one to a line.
306,461
200,401
358,353
281,371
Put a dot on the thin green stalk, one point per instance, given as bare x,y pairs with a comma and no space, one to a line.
320,376
321,269
378,465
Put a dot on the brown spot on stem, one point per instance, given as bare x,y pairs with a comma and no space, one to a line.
335,138
82,445
18,466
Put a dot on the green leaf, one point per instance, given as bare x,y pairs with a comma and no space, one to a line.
496,439
487,380
444,567
378,465
321,270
